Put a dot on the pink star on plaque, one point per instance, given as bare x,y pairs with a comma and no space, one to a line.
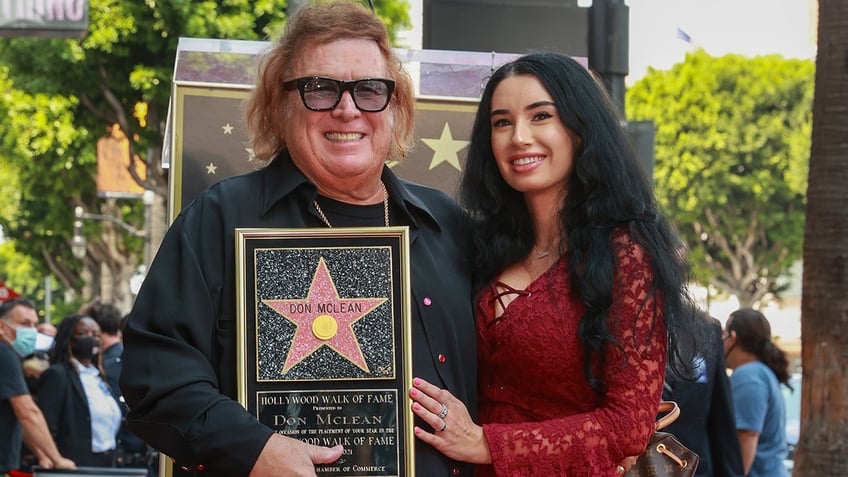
324,319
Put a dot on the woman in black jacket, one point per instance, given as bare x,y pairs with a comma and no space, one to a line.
81,412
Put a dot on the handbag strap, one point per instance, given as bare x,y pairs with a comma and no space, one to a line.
671,410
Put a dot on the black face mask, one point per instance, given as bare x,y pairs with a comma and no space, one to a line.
85,347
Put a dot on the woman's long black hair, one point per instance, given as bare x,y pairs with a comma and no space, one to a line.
607,189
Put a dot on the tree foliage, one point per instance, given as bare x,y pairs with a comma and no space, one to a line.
20,273
732,148
62,95
46,161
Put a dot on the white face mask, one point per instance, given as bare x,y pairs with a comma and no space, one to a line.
43,342
25,338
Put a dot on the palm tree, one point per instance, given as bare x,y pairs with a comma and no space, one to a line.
823,449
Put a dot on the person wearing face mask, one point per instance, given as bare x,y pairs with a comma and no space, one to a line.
20,418
80,410
36,362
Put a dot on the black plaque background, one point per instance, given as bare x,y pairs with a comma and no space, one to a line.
368,412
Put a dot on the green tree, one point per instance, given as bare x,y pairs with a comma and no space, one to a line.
732,147
44,163
65,94
20,273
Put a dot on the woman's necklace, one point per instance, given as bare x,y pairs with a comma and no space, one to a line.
385,207
536,266
543,252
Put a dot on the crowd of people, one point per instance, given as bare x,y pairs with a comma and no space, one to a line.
549,310
70,414
59,395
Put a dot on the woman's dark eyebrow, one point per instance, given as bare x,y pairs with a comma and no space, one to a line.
535,105
539,104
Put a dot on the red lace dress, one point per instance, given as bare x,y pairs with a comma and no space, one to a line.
538,412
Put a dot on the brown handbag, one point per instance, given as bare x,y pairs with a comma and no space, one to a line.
665,456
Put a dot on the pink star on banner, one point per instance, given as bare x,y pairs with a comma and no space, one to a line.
324,319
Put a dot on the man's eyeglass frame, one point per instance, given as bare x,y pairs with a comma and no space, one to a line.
350,86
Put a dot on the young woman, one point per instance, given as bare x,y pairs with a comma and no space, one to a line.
80,410
759,367
582,283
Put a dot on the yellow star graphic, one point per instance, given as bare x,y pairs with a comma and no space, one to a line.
446,148
211,168
227,128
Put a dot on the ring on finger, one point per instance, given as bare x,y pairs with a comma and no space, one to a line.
444,412
444,426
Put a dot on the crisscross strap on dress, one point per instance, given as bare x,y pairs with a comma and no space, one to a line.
501,289
508,291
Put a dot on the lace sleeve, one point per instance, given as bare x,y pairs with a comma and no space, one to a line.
591,442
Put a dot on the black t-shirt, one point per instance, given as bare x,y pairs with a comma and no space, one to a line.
12,384
341,214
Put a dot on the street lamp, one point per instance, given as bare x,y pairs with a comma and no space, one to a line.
78,246
78,241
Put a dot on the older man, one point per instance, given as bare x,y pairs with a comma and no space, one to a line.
330,109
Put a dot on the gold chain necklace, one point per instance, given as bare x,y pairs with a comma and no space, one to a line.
385,207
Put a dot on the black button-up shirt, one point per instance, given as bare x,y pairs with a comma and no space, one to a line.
179,372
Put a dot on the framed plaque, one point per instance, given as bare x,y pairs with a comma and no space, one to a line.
324,341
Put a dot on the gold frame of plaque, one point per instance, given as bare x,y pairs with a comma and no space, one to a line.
324,343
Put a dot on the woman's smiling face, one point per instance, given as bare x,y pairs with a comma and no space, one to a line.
533,148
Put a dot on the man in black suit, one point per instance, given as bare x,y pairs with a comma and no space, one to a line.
132,451
109,318
707,423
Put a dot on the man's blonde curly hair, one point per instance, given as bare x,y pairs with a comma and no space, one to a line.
267,107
